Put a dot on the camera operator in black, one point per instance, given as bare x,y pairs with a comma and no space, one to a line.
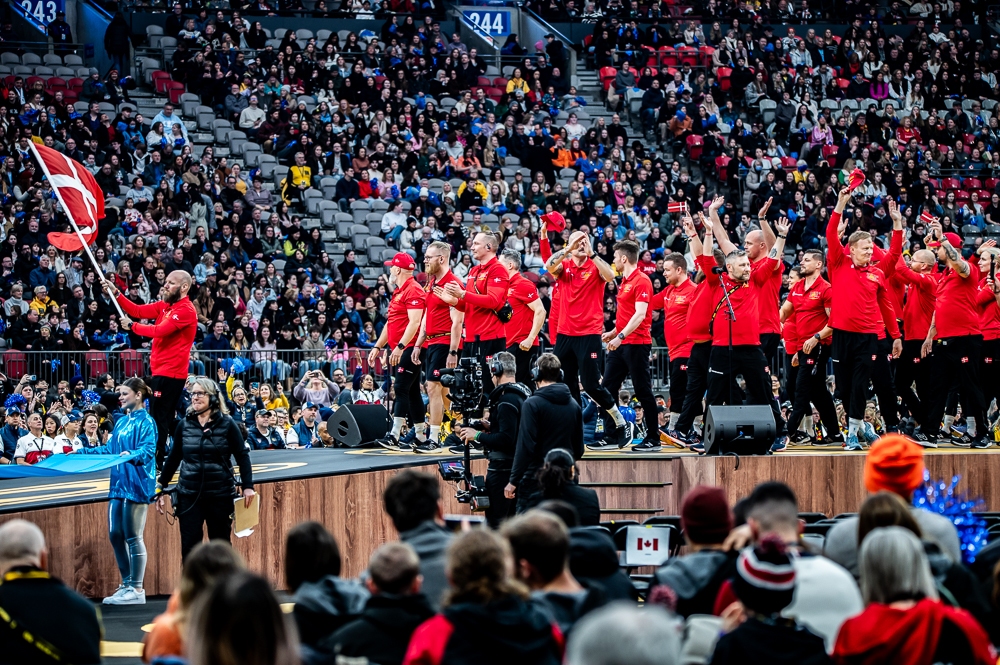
550,418
500,439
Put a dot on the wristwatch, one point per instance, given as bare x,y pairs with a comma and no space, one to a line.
400,346
818,337
621,336
452,353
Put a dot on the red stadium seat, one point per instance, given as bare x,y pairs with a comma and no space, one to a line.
174,90
991,183
669,57
31,80
500,82
843,83
56,82
75,84
724,82
830,154
722,166
970,184
695,144
961,196
15,363
607,75
789,162
132,363
951,183
97,363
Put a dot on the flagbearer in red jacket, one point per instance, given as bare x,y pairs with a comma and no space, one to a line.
173,335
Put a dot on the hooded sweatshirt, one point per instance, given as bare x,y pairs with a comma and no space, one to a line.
323,606
696,578
550,419
929,632
593,560
506,631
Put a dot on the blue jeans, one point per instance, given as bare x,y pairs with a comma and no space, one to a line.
308,365
127,521
393,236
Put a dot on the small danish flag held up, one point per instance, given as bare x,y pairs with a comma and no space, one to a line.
81,197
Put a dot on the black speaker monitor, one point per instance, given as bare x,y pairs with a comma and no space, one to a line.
744,430
356,425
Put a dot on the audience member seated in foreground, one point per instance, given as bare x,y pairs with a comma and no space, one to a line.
48,614
382,633
324,601
696,577
206,564
622,634
239,622
540,542
413,501
894,464
593,559
905,620
559,479
951,579
756,632
487,618
825,594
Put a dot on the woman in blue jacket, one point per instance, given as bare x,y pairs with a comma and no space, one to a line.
132,489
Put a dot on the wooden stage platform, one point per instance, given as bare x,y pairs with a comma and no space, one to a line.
348,500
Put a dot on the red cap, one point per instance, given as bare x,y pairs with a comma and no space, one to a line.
856,179
402,260
554,221
954,239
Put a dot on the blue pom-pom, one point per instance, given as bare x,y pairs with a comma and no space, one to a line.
90,397
16,399
56,364
941,498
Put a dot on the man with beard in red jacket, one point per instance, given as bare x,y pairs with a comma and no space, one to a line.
173,335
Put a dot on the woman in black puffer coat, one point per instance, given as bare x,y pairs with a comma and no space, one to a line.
205,443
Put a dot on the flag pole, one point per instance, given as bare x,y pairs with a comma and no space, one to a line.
83,241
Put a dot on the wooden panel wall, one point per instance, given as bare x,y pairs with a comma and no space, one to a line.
351,508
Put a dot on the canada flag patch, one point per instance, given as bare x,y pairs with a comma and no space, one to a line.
684,368
593,356
157,393
965,359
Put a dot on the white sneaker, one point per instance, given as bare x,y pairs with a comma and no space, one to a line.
129,597
117,594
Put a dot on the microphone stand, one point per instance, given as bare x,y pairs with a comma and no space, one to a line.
731,315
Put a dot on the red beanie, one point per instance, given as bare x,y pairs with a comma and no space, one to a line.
896,464
705,515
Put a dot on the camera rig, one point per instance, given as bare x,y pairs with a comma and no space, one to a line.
465,386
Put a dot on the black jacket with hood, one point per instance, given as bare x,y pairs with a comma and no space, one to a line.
550,419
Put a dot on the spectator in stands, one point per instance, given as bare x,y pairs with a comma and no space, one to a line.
239,621
559,481
396,608
696,577
905,618
488,604
413,502
208,563
323,600
31,597
540,543
623,634
895,464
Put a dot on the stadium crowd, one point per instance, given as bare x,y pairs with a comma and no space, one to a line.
887,584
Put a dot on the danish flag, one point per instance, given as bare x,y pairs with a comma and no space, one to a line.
81,198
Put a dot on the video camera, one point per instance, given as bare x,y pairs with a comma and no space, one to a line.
465,386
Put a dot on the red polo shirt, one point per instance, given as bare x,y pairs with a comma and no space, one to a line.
769,295
676,302
405,298
957,309
744,297
438,322
861,301
989,312
635,288
810,305
520,294
581,309
921,296
706,295
485,292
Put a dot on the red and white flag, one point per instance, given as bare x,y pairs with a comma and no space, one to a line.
81,197
647,543
677,206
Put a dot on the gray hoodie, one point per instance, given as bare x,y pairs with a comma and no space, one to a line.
430,541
